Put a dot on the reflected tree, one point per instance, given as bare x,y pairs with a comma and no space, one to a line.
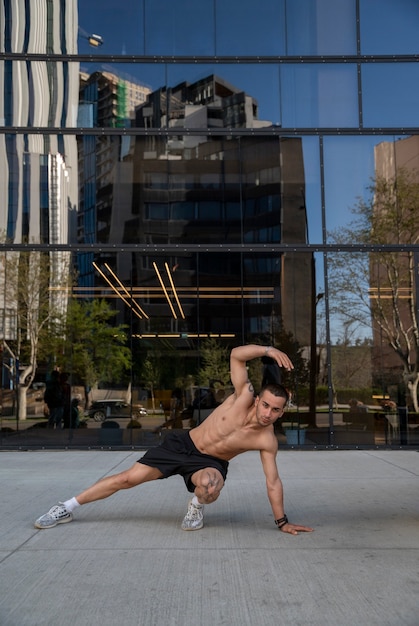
95,348
151,373
215,364
351,362
34,290
381,287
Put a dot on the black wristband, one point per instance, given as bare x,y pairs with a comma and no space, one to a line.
281,522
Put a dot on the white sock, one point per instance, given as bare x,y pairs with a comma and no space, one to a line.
70,505
196,502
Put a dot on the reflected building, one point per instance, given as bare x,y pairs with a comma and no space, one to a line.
38,172
109,100
211,102
198,189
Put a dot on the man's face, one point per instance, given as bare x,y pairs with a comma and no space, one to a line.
269,408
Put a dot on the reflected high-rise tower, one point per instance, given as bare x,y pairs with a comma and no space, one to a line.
38,94
38,172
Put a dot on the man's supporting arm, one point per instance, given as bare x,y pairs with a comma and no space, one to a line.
276,495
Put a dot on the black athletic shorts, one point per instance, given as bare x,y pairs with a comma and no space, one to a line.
177,454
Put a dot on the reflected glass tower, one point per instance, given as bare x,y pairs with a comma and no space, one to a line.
38,172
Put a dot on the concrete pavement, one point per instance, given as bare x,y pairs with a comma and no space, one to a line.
125,560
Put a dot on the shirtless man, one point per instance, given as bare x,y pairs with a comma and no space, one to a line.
201,455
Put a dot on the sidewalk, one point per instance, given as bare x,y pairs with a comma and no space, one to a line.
125,560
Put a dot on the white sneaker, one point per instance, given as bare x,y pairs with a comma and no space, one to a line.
58,514
194,518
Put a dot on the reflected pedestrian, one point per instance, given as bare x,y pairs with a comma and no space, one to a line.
66,391
54,399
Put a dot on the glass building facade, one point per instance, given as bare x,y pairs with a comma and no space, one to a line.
179,178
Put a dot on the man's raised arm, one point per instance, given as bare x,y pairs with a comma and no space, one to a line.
240,355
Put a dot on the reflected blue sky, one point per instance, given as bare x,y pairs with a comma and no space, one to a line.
348,168
389,26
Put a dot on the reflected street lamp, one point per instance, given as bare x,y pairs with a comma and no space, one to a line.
94,40
313,347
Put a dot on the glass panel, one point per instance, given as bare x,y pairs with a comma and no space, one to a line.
39,186
390,95
311,194
244,29
204,189
184,27
349,166
354,419
37,96
310,97
309,407
389,26
321,27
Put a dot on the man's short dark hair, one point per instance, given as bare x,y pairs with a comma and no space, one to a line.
276,390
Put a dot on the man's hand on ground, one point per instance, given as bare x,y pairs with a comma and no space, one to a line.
294,529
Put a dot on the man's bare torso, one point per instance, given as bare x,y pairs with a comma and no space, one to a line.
232,429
